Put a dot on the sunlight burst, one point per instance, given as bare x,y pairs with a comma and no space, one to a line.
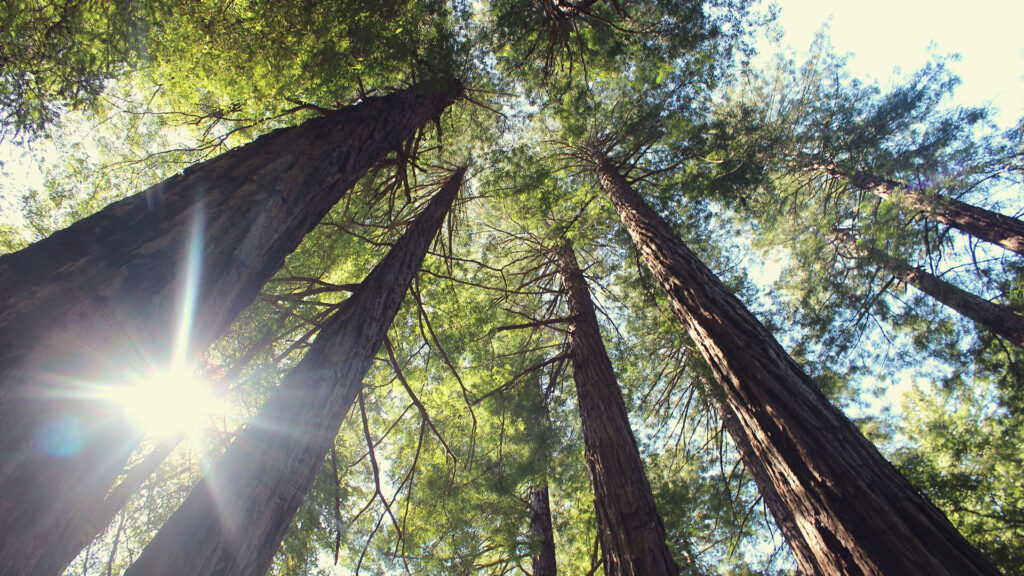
174,401
167,403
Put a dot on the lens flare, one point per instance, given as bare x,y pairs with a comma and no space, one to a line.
167,403
64,437
174,401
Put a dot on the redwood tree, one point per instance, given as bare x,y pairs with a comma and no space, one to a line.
232,522
540,528
994,317
629,526
538,501
100,301
853,513
983,224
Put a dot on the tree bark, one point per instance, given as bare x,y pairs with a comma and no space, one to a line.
843,507
629,526
785,520
540,528
983,224
993,317
100,302
233,521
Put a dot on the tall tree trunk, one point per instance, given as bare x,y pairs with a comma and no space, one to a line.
994,317
845,509
233,521
116,500
983,224
543,561
629,526
540,528
785,519
101,302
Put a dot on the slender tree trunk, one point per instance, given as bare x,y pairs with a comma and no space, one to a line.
113,547
983,224
233,521
102,301
629,526
993,317
66,550
845,509
540,528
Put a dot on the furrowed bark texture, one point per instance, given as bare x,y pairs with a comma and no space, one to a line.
99,301
998,319
540,528
844,507
983,224
233,521
629,526
784,518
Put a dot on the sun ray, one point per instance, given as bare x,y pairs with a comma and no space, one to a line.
171,399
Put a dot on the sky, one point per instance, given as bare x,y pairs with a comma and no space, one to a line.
888,35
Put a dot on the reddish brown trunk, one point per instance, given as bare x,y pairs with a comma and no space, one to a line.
233,521
628,523
844,507
983,224
998,319
784,517
540,528
99,301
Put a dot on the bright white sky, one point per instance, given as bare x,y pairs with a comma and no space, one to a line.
887,34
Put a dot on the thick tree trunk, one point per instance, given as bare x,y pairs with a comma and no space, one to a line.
995,318
983,224
629,526
99,302
233,521
844,507
785,520
540,528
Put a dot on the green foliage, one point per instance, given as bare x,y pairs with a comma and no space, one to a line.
320,52
556,46
792,142
795,141
60,54
964,452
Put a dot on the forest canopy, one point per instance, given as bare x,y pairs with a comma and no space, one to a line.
498,287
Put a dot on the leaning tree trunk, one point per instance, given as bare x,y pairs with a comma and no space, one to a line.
543,533
983,224
785,519
116,500
629,526
995,318
100,302
853,513
233,521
